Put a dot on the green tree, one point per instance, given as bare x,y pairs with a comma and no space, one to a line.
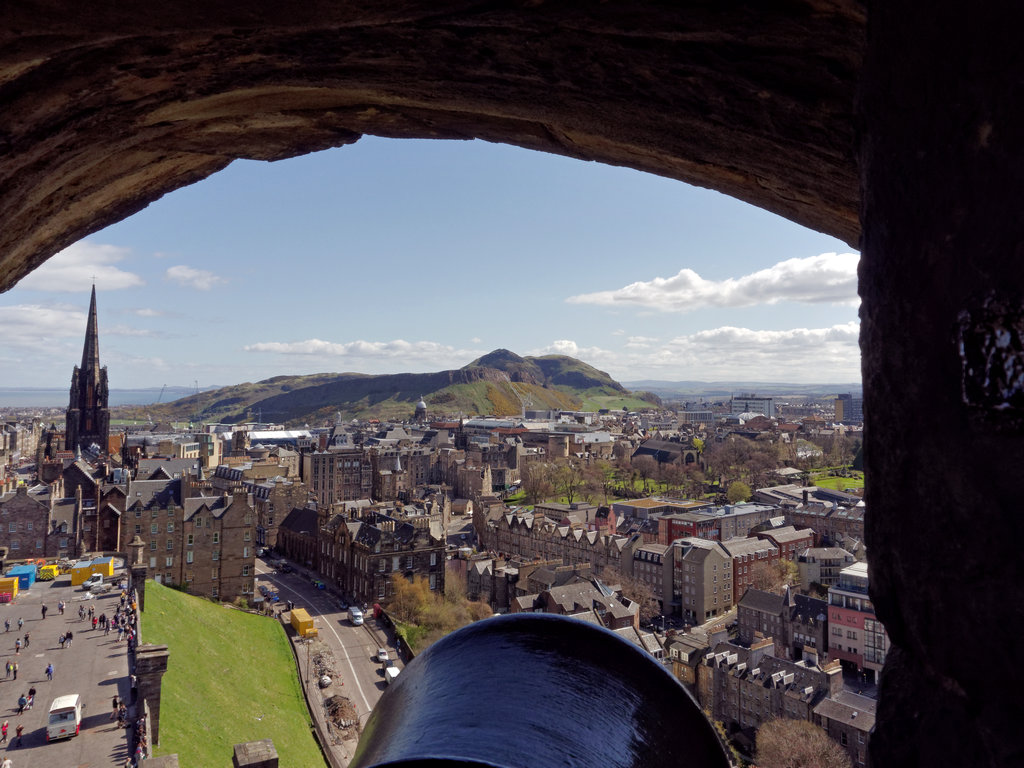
786,743
737,491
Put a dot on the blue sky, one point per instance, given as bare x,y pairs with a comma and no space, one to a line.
389,256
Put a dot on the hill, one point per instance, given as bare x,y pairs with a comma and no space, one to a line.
500,383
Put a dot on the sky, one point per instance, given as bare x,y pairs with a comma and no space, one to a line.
391,256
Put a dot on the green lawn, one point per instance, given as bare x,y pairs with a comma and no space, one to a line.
231,678
838,483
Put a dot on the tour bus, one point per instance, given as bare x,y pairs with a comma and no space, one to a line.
65,717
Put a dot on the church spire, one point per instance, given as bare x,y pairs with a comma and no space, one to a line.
91,352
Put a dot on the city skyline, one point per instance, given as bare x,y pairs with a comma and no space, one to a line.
395,256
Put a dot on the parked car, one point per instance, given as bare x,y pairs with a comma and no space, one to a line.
318,583
264,589
382,655
324,681
272,597
286,568
94,580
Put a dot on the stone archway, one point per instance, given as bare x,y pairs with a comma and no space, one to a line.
795,108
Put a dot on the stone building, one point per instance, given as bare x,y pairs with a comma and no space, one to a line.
746,687
205,543
798,623
338,474
39,522
701,579
849,719
821,565
362,555
88,414
749,556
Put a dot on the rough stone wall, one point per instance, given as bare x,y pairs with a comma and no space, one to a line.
104,108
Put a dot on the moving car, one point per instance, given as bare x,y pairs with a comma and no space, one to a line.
355,615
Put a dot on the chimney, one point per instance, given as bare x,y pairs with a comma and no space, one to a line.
806,496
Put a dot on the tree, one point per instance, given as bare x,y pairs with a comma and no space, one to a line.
636,590
535,477
738,491
786,743
773,575
568,480
646,467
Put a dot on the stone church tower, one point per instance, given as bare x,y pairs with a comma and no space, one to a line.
88,417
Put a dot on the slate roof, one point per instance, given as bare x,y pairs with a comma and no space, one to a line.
300,520
154,493
850,709
759,600
215,504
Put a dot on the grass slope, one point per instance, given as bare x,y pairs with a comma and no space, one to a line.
231,678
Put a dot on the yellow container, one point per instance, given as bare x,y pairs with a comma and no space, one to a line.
8,586
48,573
104,566
302,623
80,572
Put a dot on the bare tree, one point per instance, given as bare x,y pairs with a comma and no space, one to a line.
646,467
773,575
636,590
786,743
535,477
568,480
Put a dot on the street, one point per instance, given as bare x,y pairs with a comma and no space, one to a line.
357,673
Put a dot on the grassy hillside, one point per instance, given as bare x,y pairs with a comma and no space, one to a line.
499,383
231,678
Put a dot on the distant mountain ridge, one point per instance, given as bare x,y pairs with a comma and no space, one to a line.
500,383
719,389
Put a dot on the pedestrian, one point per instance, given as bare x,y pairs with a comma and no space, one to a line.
15,670
7,763
31,697
21,623
60,607
94,620
49,671
7,625
22,701
68,638
3,732
26,638
81,613
43,609
17,646
17,735
9,668
116,705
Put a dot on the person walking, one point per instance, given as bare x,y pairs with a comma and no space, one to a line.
43,609
9,668
60,640
81,612
49,671
116,705
60,607
3,732
26,638
7,625
17,735
15,670
22,701
68,638
7,763
31,697
17,647
21,623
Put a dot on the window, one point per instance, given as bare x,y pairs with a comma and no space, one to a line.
248,519
14,544
39,543
433,558
247,536
152,546
138,529
154,529
63,543
12,527
433,581
381,565
170,526
170,545
188,556
216,537
152,562
245,551
28,526
191,539
170,561
842,738
216,554
245,570
156,512
138,512
215,573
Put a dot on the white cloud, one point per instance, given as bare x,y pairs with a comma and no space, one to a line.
35,325
811,355
78,266
145,312
376,353
476,340
829,278
125,330
200,279
639,342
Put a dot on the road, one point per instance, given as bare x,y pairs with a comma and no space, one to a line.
354,648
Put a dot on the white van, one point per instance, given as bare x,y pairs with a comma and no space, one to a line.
65,717
355,615
93,581
390,675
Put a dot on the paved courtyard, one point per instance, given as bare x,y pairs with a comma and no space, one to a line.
95,667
